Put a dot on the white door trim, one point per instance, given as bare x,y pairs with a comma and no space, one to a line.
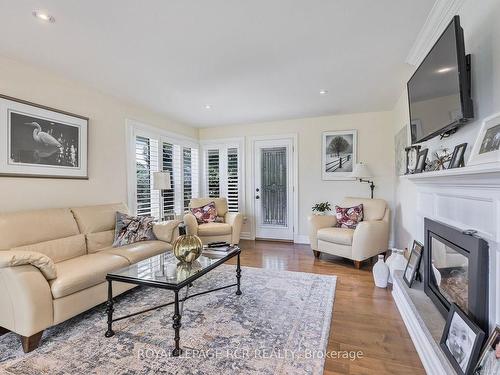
295,173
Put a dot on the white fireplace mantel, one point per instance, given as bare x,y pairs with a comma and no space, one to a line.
466,198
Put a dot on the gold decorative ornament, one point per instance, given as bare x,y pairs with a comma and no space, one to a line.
186,270
187,248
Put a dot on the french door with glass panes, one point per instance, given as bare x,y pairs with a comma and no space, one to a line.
273,189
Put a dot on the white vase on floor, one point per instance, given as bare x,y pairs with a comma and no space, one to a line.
380,273
398,262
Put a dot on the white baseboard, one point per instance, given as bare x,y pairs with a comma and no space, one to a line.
302,239
246,236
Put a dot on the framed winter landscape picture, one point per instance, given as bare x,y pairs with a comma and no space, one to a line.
38,141
338,154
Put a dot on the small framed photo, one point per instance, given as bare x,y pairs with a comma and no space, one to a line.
411,158
413,264
487,146
339,152
421,160
489,362
461,341
457,158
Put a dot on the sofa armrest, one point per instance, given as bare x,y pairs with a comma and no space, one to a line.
14,258
235,220
166,230
26,306
191,224
317,222
370,238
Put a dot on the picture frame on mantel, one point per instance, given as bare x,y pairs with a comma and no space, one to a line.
41,141
339,154
487,146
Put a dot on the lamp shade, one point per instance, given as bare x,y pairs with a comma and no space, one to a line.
161,181
361,171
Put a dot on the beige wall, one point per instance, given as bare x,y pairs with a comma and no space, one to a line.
107,164
375,148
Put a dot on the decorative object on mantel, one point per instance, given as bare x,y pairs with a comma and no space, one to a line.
411,158
441,157
401,142
41,141
396,261
339,152
363,174
321,208
187,248
489,362
457,159
461,341
421,160
487,146
412,267
380,273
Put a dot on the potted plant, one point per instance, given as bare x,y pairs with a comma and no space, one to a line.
321,208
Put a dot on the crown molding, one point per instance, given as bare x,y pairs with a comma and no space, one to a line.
440,15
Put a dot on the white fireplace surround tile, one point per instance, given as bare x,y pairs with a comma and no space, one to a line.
469,200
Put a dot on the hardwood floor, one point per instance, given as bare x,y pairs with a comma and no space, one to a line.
365,318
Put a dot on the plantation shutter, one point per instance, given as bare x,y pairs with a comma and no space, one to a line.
146,157
232,180
213,170
168,166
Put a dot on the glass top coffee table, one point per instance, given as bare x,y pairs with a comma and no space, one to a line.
164,271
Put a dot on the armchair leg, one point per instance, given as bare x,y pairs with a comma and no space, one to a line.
357,264
30,343
316,253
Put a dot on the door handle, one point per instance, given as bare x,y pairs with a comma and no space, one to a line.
257,197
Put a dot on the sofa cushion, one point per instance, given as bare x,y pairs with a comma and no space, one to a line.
205,214
220,204
342,236
373,209
214,229
83,272
60,249
139,251
28,227
101,218
348,217
99,241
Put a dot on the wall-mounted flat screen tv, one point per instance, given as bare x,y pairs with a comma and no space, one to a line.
439,90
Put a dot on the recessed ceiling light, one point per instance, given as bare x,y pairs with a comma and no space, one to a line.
323,92
45,17
208,106
444,70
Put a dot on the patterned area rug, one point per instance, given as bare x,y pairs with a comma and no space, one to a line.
279,325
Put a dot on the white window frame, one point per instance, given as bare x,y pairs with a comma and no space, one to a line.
135,128
223,145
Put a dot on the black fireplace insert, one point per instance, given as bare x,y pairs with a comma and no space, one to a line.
456,270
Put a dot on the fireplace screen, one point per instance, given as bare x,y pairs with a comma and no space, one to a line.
450,273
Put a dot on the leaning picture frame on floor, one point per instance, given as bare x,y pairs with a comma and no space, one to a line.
413,265
489,362
41,141
339,154
461,341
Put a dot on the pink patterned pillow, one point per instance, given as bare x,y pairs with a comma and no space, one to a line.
205,214
349,217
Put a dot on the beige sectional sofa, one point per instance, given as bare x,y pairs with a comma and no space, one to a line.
53,264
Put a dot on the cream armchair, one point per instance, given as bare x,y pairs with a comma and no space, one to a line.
370,237
227,230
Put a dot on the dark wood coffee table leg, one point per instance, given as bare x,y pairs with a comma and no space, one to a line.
109,310
238,275
177,326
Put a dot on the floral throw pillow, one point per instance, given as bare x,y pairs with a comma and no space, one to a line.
130,229
205,214
349,217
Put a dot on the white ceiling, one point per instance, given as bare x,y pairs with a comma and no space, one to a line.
251,60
